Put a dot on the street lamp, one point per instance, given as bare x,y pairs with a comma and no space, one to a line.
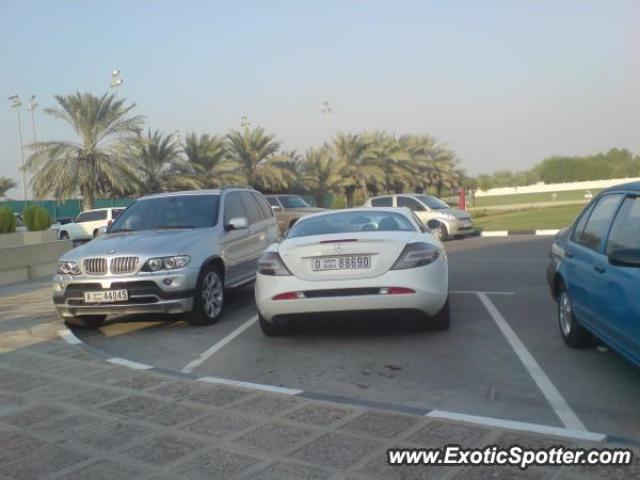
244,121
328,111
17,103
32,108
116,80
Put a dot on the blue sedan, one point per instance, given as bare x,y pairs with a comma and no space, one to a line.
594,273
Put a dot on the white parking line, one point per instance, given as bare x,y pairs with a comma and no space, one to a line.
559,405
521,426
129,363
256,386
216,347
69,337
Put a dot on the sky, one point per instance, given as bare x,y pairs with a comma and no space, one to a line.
505,84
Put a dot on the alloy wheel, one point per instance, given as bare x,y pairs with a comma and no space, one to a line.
565,314
212,295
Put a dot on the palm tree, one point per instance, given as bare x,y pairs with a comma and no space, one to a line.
94,164
158,164
320,174
357,168
6,184
253,150
394,160
207,162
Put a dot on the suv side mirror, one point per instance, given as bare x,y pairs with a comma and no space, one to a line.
628,257
238,223
102,231
275,208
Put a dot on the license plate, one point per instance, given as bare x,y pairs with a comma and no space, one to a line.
343,262
106,296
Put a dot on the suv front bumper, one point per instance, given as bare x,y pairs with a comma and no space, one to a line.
160,293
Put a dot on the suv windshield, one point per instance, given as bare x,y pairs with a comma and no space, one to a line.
348,222
432,202
293,201
176,211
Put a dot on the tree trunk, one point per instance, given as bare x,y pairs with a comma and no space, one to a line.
349,192
439,187
88,199
319,197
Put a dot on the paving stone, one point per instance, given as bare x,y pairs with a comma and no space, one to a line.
268,404
44,464
171,414
16,446
102,470
66,427
94,397
529,440
114,435
437,433
336,450
381,424
379,468
10,402
221,424
611,472
77,370
163,449
59,390
273,438
178,390
29,384
480,472
319,414
33,415
219,395
111,376
9,376
215,464
133,405
291,471
142,382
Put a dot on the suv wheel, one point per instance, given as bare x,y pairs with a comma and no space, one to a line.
64,236
209,298
441,232
573,334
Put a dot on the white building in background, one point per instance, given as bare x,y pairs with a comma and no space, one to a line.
542,187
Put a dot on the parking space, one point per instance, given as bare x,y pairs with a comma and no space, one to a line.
518,370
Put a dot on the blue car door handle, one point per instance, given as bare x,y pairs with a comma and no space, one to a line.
598,268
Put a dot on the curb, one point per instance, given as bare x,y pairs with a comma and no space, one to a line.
68,336
509,233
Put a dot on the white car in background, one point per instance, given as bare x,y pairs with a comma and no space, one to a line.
365,260
88,224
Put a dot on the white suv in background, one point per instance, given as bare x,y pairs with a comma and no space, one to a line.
88,223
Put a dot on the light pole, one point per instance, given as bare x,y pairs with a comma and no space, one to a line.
17,103
32,108
116,80
244,122
327,110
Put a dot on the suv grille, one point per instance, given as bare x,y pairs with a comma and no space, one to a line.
120,265
95,266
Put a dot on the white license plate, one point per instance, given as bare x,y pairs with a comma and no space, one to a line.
343,262
106,296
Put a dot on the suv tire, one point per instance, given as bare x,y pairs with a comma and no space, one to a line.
208,301
441,232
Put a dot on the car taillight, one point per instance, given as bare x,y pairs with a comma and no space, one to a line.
270,263
416,255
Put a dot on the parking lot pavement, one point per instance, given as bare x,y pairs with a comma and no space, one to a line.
502,359
67,414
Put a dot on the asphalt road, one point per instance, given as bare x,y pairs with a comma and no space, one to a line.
503,356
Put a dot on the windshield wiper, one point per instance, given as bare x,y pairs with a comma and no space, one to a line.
166,227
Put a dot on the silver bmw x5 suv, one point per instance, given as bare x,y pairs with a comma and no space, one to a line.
167,253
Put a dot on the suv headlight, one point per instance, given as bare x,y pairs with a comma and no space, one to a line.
67,267
166,263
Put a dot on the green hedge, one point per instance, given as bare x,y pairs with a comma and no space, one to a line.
7,220
36,218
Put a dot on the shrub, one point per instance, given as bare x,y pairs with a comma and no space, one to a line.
28,215
7,220
41,220
338,202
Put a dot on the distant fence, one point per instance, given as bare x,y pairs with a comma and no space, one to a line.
555,187
67,208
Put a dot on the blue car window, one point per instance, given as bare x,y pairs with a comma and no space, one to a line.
625,231
598,222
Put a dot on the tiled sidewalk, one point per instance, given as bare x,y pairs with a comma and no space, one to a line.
65,414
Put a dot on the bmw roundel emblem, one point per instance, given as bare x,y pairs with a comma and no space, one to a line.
111,252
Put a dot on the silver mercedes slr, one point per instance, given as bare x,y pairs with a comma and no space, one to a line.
167,253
